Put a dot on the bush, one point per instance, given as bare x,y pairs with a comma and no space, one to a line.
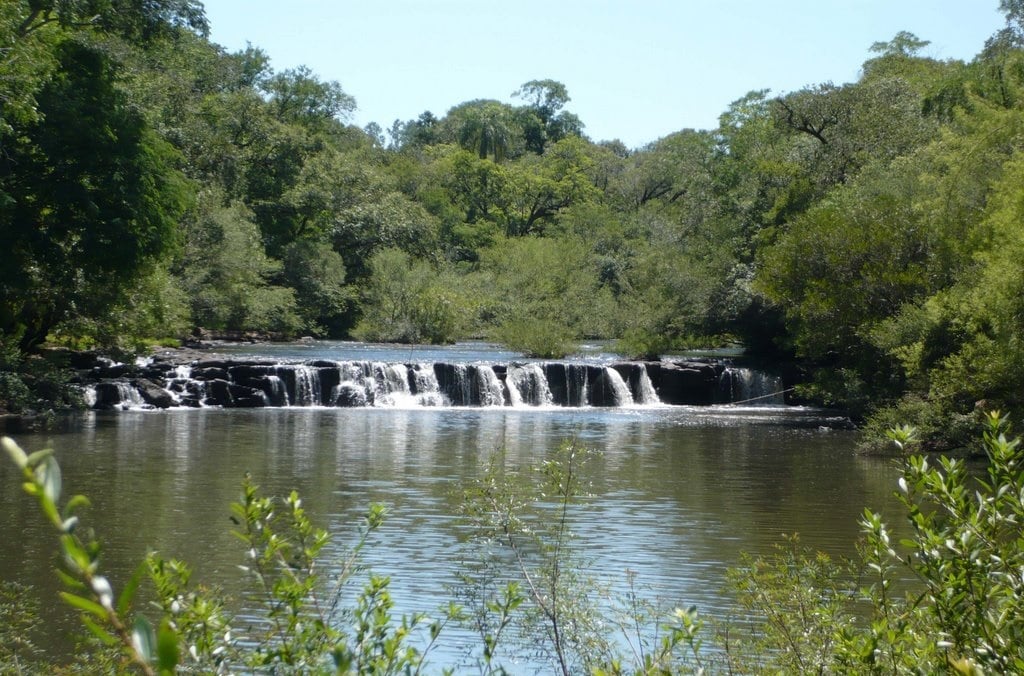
408,301
965,611
542,338
33,382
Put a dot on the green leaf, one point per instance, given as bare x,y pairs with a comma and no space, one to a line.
99,632
167,648
74,503
124,602
37,457
70,581
143,639
14,452
48,476
84,604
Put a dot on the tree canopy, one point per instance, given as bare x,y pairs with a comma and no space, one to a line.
153,184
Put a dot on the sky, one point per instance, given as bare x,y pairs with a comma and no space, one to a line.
636,70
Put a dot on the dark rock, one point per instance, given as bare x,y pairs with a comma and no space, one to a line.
602,392
246,397
108,396
218,393
243,372
83,361
556,375
686,383
209,373
153,394
113,370
330,378
350,396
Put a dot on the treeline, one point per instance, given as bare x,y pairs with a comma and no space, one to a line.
152,183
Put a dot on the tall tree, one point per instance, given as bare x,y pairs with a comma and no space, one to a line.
91,199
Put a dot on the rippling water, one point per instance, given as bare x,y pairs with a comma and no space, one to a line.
676,493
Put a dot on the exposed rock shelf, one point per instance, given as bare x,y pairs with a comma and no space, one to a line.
162,383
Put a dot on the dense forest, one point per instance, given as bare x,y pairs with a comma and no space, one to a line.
154,185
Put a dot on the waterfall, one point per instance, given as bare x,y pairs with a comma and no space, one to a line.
186,390
527,386
752,387
275,390
646,395
307,386
621,396
253,383
393,385
492,392
89,395
428,390
129,396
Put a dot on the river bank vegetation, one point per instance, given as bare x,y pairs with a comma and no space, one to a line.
153,185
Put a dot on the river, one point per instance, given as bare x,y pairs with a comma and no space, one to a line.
676,493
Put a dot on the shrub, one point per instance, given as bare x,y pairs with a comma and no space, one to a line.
965,611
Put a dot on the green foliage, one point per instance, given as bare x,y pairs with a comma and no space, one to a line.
407,301
34,383
545,338
803,605
92,199
19,622
962,612
227,275
317,273
541,294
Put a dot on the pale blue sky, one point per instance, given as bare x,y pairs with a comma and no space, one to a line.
636,70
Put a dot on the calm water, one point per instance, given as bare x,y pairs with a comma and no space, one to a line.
677,492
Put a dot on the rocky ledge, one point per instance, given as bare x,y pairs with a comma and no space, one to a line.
194,378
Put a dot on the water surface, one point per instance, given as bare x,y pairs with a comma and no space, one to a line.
676,493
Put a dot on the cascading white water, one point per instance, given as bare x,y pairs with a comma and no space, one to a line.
428,390
367,383
181,385
646,394
278,392
528,386
755,388
89,395
394,385
492,393
129,396
307,386
620,390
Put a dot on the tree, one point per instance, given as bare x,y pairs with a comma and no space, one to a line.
92,199
539,188
542,119
484,127
227,275
408,301
298,96
904,43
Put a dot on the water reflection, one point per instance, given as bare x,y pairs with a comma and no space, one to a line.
677,494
